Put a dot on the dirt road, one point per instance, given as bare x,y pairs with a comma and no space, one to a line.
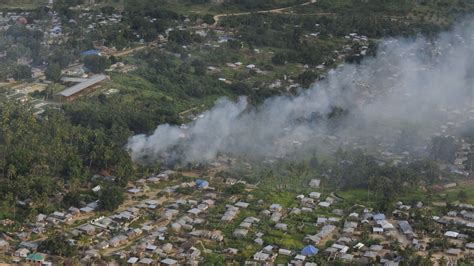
276,10
131,50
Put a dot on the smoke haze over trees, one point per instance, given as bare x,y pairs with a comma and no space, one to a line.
408,82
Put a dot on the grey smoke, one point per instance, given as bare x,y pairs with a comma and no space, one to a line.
409,82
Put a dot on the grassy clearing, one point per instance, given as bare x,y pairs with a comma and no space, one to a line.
399,7
414,196
56,88
23,4
286,240
132,86
451,195
359,196
356,196
284,198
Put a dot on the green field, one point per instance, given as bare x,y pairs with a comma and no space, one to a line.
359,196
452,194
25,4
188,8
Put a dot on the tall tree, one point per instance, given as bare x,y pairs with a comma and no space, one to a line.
110,198
96,64
53,72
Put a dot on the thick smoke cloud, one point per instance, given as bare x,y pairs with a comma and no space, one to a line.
409,82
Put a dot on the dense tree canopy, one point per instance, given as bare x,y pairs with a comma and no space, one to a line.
443,148
58,244
50,152
96,63
53,72
110,198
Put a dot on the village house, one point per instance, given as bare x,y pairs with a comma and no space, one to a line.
35,259
315,195
314,183
84,86
406,229
323,233
260,256
22,252
169,262
451,234
240,233
454,252
88,229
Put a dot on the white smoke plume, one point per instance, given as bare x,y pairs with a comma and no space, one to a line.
408,82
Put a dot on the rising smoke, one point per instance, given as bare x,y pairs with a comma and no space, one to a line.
409,82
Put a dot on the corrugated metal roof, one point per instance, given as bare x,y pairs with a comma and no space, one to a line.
90,52
73,79
83,85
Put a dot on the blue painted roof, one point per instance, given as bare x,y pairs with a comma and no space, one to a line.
90,52
309,250
379,216
201,183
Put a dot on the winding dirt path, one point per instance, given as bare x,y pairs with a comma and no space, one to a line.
276,10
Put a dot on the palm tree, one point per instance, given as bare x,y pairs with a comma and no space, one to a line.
84,242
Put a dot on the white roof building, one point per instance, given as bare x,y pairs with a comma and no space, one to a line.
285,252
451,234
315,183
169,261
78,88
385,225
132,260
242,204
324,204
377,230
260,256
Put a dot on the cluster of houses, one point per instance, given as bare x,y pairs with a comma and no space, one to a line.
7,19
98,19
158,224
170,229
39,227
458,119
345,229
347,244
54,34
461,161
457,225
270,253
129,225
180,218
